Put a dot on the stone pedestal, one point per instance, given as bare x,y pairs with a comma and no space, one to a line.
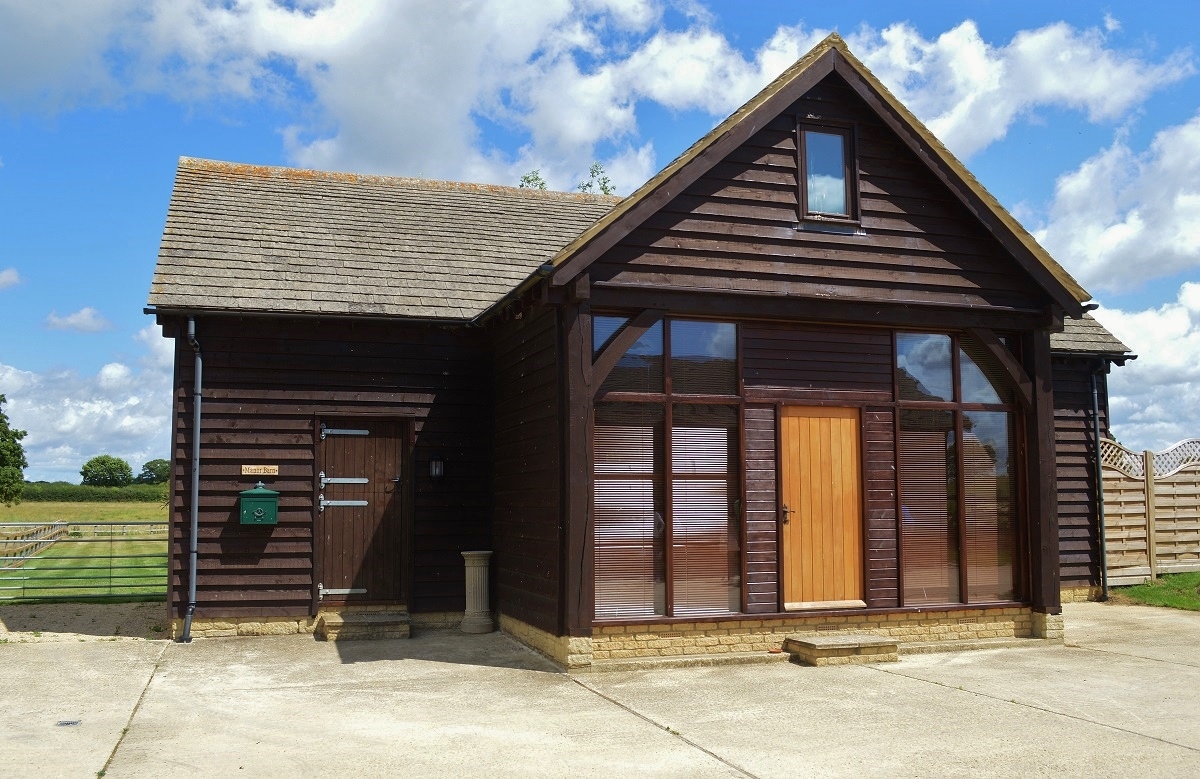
478,617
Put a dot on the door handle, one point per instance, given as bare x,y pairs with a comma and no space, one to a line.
786,512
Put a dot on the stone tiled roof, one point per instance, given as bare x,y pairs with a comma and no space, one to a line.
279,240
1087,336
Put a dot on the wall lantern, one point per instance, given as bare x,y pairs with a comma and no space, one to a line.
437,466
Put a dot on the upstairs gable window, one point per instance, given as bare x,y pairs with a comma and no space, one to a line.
828,186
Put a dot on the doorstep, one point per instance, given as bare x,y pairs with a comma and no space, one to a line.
363,625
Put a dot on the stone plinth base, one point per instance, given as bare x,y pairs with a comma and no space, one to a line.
224,627
1048,626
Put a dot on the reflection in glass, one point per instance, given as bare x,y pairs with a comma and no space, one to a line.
603,330
641,368
926,370
991,513
703,357
825,172
981,378
929,506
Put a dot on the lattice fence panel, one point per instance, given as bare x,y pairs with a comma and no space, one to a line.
1174,504
1119,458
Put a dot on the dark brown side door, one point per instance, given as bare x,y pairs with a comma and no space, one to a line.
360,520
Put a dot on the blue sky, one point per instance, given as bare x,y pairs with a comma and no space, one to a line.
1082,118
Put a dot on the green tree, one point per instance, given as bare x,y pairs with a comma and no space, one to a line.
533,180
597,181
104,470
12,460
154,472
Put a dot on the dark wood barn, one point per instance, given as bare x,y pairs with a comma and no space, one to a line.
801,381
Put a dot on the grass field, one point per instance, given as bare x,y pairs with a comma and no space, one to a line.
1174,590
99,557
84,512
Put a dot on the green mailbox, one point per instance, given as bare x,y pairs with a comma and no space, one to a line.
259,506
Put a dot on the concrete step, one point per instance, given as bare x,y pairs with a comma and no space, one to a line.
363,625
841,649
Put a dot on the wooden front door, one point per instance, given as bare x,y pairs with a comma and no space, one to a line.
360,525
820,470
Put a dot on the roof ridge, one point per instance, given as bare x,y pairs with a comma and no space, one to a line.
248,170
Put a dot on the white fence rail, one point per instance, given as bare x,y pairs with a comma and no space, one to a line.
1151,510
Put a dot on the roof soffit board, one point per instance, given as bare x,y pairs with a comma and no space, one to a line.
1024,248
701,157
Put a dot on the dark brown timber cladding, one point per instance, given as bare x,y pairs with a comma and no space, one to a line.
734,230
266,381
1074,435
527,511
762,530
831,365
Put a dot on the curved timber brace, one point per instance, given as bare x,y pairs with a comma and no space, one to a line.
1013,373
620,343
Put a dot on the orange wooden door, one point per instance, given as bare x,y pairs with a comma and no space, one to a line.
820,471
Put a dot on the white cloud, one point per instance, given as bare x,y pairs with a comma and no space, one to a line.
1125,216
85,320
52,55
405,86
9,278
121,410
969,92
1153,397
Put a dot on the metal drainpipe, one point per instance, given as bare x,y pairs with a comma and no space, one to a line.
1099,489
193,546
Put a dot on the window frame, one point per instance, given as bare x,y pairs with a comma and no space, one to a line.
668,399
958,407
849,135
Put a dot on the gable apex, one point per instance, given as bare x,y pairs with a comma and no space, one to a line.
830,56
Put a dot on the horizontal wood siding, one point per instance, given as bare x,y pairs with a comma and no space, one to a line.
735,229
265,382
1078,534
528,512
825,363
762,529
879,463
802,363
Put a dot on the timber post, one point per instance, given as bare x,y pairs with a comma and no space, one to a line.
1042,465
578,561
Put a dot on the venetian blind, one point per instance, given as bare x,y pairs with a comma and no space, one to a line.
704,544
630,569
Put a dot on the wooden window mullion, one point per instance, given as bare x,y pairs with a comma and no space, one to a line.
668,503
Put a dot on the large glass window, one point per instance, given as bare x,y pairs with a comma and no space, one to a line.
956,436
640,369
666,494
704,358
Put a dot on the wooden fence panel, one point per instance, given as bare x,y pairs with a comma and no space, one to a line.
1152,511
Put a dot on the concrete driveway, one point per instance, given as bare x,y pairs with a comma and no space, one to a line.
1120,699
